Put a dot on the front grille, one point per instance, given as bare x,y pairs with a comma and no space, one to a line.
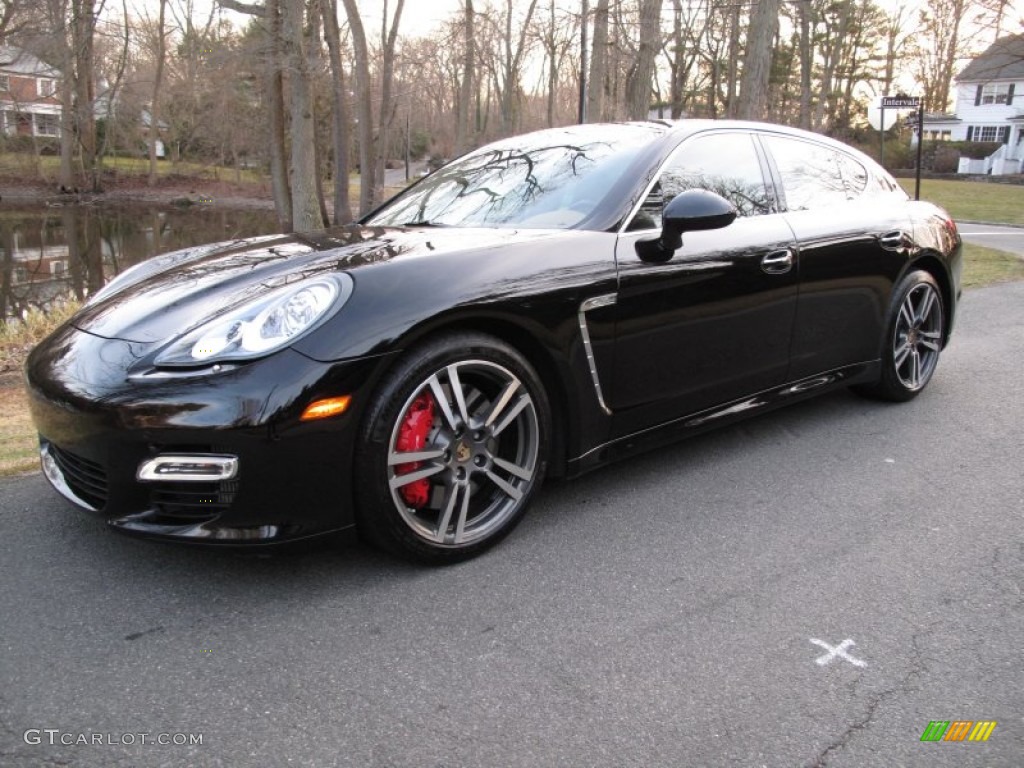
192,502
86,479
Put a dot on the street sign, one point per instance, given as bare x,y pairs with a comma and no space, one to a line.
900,102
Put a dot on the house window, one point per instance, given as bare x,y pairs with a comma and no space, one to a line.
5,82
46,87
995,93
47,125
983,133
58,268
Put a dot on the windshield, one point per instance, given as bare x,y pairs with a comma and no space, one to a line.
547,180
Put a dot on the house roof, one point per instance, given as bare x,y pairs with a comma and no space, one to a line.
19,62
1004,60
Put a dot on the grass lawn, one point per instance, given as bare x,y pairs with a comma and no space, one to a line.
974,200
984,266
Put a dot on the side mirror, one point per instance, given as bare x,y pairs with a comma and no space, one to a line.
689,211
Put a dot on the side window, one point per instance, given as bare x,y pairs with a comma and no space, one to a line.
811,178
856,175
725,163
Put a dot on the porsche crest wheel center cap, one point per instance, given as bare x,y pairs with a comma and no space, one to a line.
463,452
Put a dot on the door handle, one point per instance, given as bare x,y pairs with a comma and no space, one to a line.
777,262
897,241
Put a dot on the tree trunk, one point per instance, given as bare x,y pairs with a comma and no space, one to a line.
732,74
305,204
638,83
364,110
757,63
154,106
463,114
598,65
340,118
387,107
82,32
806,62
276,120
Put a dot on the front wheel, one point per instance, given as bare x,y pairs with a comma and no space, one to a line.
453,448
913,339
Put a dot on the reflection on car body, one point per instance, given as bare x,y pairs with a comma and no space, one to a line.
536,308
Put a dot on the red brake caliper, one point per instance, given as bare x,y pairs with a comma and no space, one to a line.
412,436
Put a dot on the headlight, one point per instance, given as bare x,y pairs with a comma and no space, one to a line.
262,325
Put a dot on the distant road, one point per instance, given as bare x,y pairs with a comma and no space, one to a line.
1009,239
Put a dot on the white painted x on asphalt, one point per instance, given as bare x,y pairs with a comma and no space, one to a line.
837,652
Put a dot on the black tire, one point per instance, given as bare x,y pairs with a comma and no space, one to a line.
474,411
913,339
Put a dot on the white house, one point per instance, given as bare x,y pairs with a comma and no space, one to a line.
29,98
989,107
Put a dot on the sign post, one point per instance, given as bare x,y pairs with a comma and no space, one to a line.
904,103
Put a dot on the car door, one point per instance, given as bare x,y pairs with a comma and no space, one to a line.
713,323
853,244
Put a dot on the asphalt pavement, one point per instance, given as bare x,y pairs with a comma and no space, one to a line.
1010,239
810,588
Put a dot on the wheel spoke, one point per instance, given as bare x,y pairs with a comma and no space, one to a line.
928,343
901,353
504,485
906,314
502,401
395,458
915,368
460,525
513,469
521,403
442,401
460,398
926,306
399,481
455,492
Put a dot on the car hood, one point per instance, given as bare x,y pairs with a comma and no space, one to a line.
180,291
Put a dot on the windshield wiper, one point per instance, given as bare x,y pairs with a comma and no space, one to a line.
424,223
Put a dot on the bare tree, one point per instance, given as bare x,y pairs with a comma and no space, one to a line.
598,64
463,127
340,116
753,98
638,80
364,107
306,209
154,104
274,91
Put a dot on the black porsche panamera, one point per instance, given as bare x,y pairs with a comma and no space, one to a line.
535,308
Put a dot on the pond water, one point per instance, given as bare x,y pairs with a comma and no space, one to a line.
48,253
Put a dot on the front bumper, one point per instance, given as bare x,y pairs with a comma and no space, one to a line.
97,428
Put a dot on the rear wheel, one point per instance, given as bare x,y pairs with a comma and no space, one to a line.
913,339
453,449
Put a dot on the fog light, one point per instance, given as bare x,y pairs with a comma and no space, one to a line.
324,409
189,468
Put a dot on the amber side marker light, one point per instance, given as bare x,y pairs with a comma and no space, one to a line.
326,408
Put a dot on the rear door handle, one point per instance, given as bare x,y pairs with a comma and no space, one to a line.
777,262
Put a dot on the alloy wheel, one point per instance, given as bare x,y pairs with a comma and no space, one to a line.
463,453
917,340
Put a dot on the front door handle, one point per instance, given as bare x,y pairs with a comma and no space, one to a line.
898,242
777,262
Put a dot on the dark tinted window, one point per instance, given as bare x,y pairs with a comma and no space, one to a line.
810,173
725,163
